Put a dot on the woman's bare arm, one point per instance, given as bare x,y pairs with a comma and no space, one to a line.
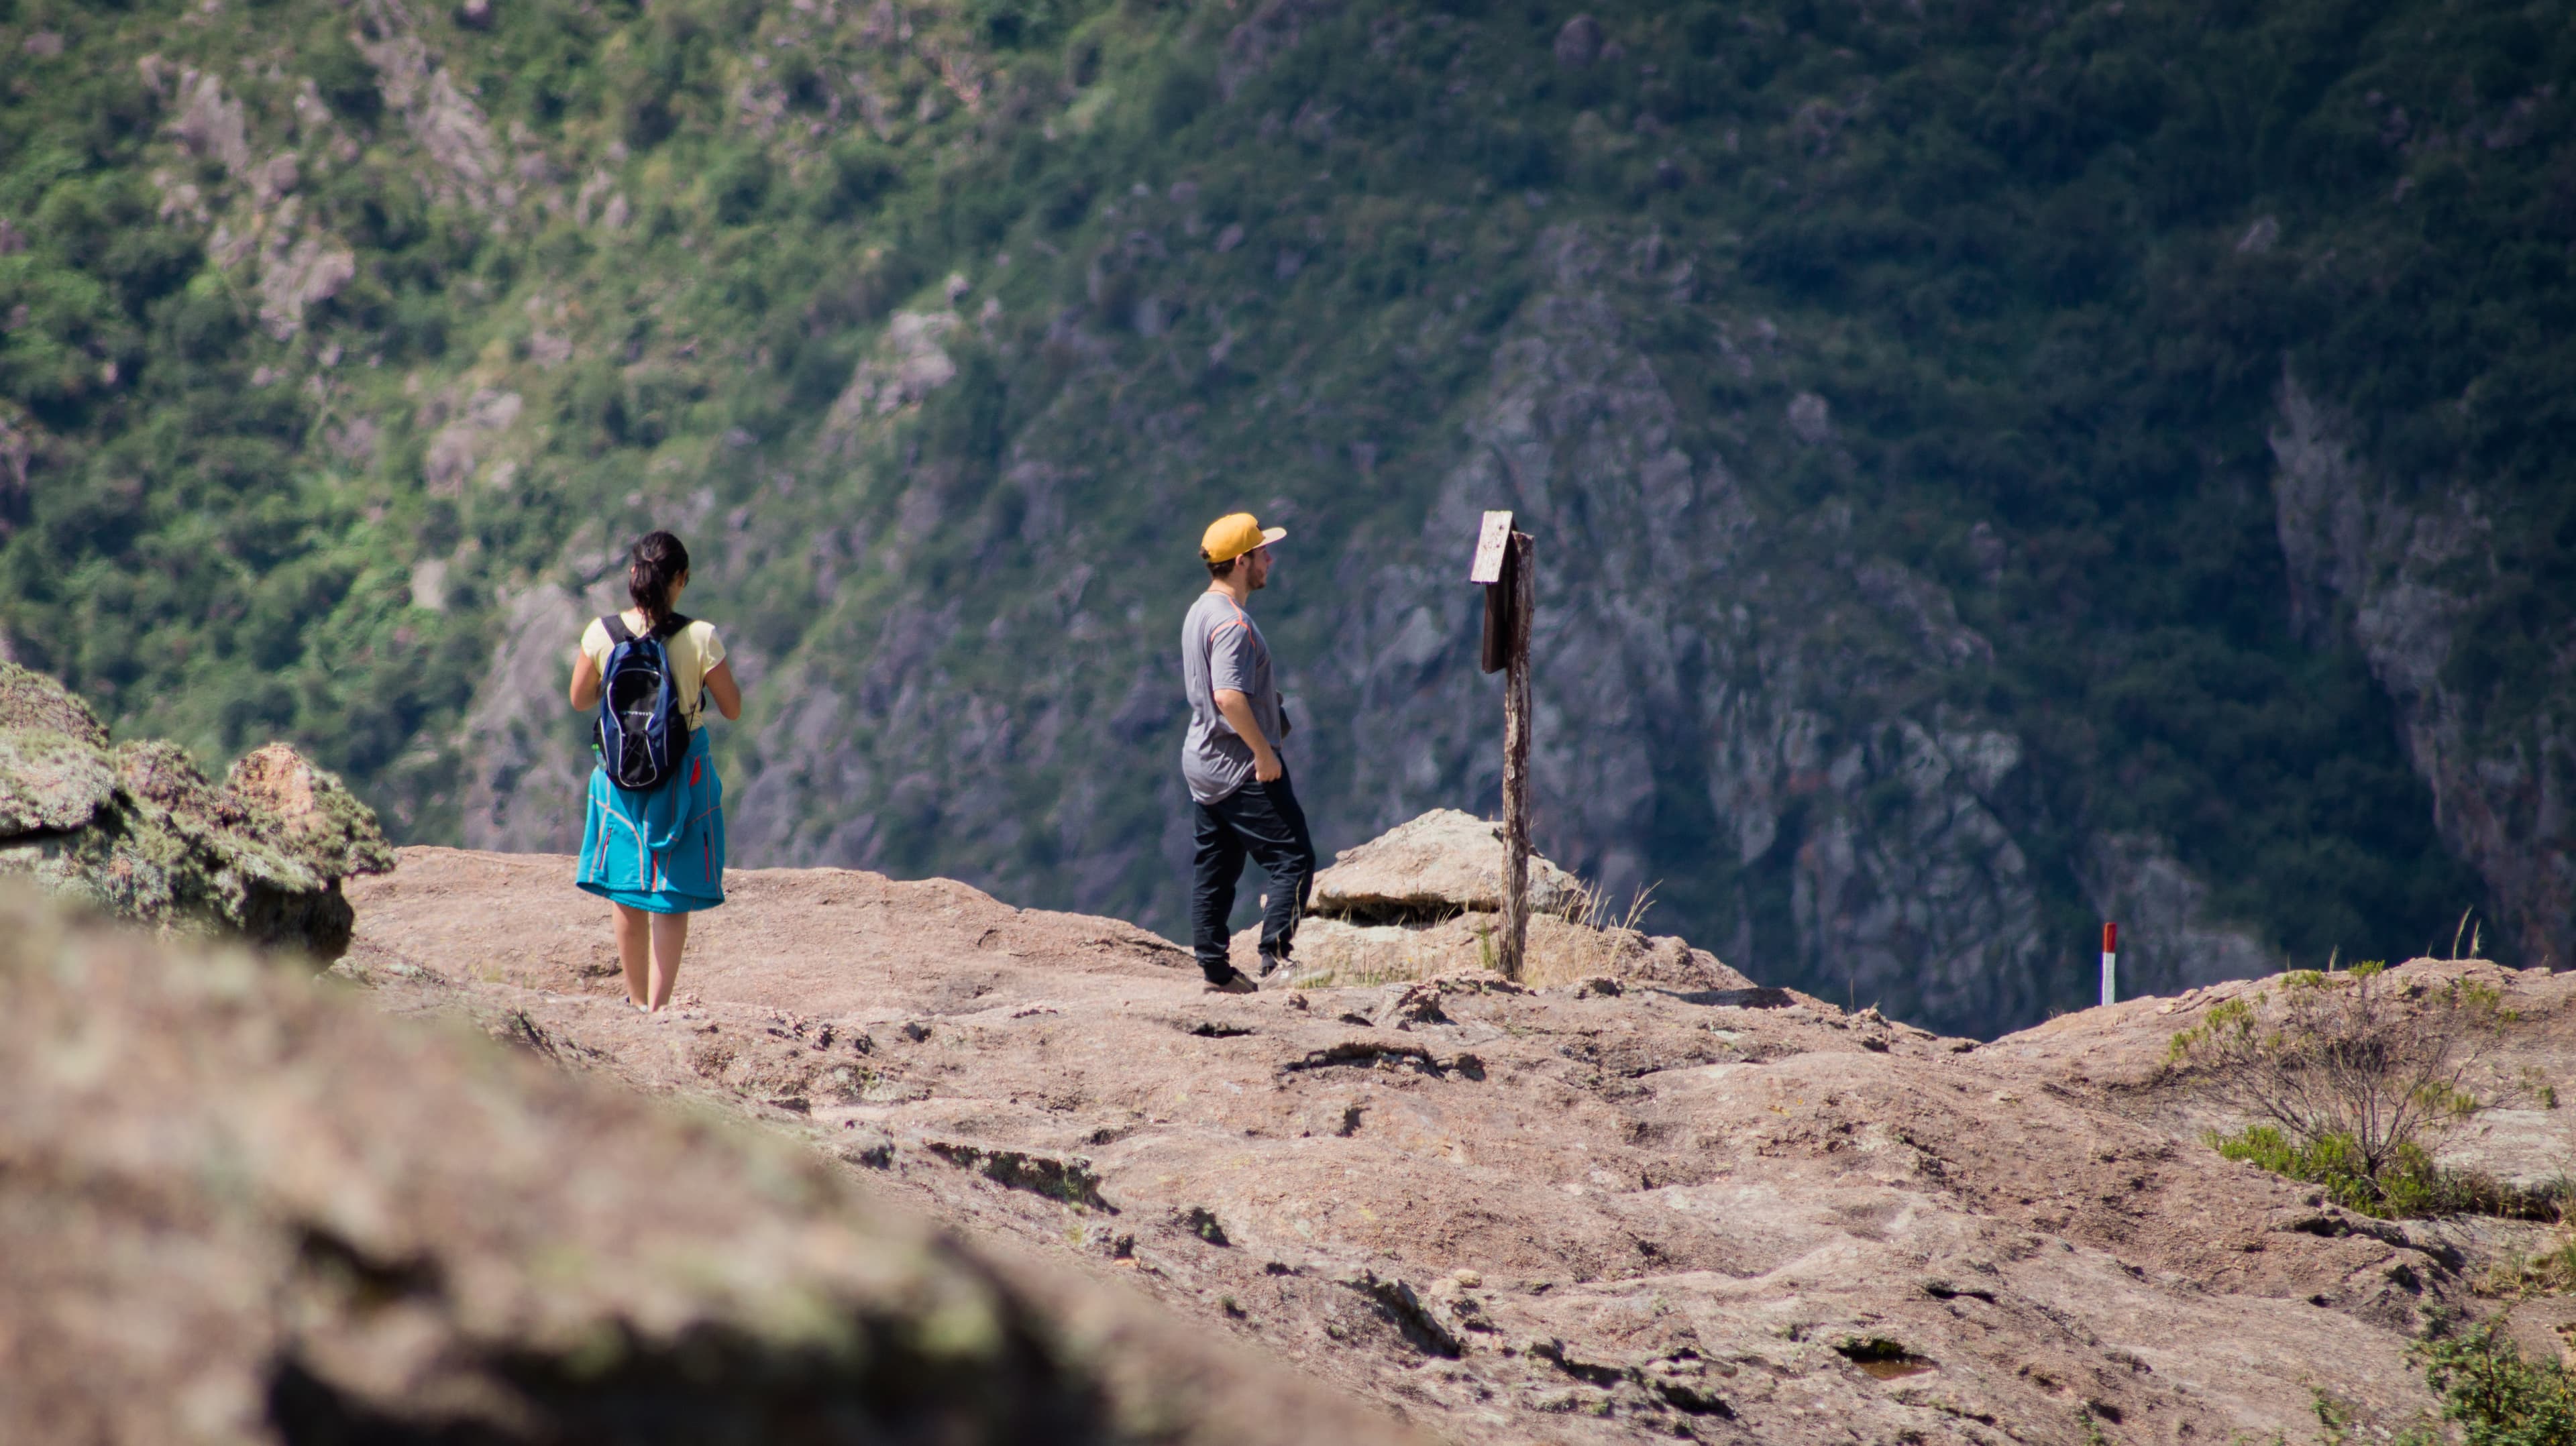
585,682
727,693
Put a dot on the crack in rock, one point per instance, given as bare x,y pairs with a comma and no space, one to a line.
1069,1178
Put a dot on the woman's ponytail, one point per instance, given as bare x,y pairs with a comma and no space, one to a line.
657,562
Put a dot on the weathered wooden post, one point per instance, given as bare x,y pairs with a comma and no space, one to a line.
1505,567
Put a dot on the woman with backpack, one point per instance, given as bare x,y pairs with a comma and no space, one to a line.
653,841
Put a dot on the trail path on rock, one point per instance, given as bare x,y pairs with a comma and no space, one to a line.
1597,1214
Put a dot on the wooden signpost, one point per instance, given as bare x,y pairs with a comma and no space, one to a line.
1506,570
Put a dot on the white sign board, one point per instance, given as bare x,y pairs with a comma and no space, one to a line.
1489,548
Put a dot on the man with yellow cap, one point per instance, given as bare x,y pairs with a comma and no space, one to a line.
1239,790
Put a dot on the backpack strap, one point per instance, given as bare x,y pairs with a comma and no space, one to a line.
618,632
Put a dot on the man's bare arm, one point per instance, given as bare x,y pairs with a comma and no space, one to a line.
1238,711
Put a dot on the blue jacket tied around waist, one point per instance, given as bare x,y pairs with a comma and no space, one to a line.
662,851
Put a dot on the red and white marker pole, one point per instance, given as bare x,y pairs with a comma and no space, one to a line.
2110,964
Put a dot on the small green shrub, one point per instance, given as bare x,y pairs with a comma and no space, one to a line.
2495,1394
2406,1185
740,187
1179,97
2346,1079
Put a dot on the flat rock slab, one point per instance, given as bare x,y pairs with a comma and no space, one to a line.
1608,1210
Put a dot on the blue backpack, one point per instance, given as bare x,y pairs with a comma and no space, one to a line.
641,736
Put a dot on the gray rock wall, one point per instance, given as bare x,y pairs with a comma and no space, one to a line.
2401,570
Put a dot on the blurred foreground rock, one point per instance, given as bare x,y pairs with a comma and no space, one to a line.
238,1207
138,831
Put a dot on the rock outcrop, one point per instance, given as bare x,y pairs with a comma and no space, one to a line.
1425,899
136,830
1442,863
241,1209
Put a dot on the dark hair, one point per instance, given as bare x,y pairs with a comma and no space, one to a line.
657,562
1225,568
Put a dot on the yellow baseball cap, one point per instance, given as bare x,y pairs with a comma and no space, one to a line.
1235,534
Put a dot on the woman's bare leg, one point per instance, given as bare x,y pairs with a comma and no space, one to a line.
670,936
634,941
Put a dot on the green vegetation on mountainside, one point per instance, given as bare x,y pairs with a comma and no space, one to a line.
2048,263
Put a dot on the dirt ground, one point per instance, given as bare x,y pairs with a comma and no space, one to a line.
1611,1211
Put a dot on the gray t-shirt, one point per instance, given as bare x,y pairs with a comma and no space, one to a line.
1220,648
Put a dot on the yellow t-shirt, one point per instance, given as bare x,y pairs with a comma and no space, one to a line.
695,651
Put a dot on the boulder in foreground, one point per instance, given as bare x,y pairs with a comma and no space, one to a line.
138,831
240,1208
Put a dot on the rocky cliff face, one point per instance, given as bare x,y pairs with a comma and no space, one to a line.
1700,664
2402,571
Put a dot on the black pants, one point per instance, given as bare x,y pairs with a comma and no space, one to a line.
1263,822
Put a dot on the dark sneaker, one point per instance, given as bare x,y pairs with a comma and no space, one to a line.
1234,982
1277,966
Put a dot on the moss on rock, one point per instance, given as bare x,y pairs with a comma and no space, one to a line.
29,699
138,831
49,782
317,815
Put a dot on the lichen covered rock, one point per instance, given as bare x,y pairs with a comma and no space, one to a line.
140,832
29,699
49,782
320,818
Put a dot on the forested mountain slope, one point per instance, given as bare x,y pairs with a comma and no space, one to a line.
1995,465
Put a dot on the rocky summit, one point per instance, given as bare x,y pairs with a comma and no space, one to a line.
1614,1209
